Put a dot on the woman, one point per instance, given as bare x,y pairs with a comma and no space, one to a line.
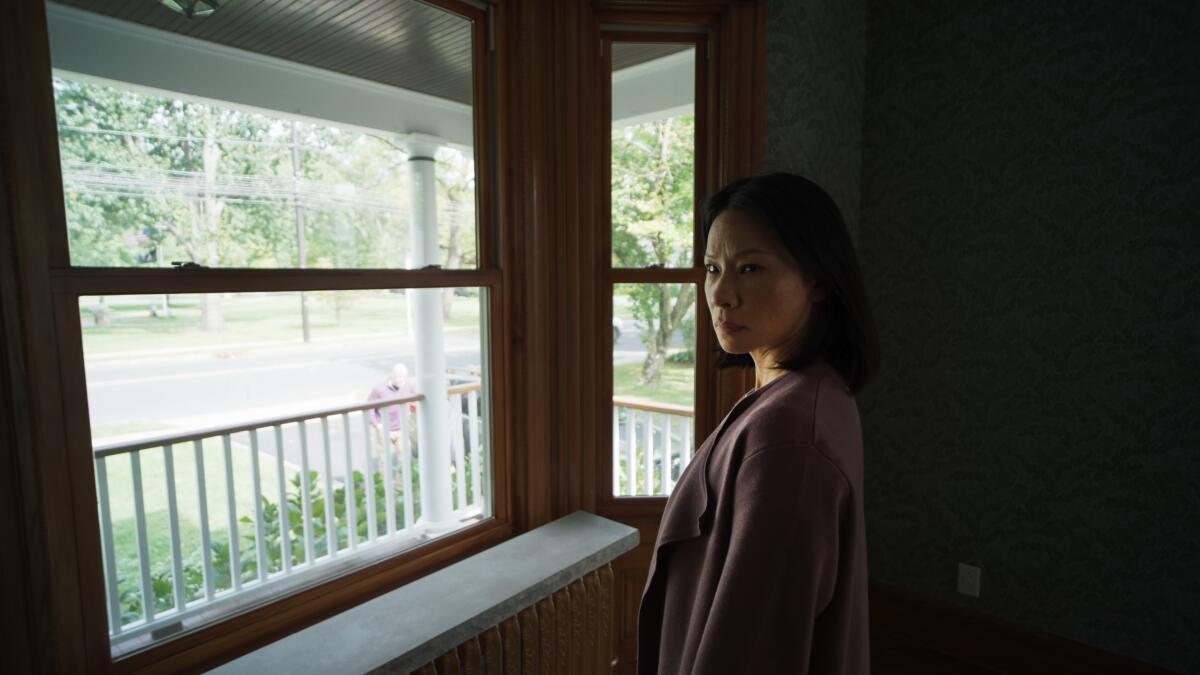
761,561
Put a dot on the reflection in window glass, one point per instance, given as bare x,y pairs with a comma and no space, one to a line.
653,155
154,179
654,376
234,455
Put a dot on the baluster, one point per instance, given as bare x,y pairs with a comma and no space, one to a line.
106,541
205,541
260,531
476,459
143,546
173,525
456,444
385,442
630,448
616,451
405,469
285,543
305,494
370,477
350,491
687,443
331,542
668,480
648,454
235,555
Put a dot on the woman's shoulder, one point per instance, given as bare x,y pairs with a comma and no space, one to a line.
794,409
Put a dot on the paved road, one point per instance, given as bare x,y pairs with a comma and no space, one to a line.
216,387
204,388
200,389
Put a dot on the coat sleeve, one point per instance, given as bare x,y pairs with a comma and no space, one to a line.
780,571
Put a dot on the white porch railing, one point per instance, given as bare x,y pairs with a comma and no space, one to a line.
335,510
652,443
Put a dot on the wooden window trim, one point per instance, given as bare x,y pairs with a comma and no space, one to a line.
548,412
73,621
696,35
729,130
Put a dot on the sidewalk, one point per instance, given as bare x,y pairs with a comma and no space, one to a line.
143,355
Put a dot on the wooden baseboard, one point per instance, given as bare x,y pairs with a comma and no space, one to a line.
911,633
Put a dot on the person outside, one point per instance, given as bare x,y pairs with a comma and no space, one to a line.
760,562
396,386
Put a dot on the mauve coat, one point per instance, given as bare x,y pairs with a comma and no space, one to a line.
761,560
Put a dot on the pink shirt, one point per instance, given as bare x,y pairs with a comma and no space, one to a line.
387,391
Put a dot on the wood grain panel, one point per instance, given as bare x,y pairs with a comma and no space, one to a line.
510,632
591,646
448,663
493,650
548,636
470,655
531,644
578,625
562,605
588,646
605,635
59,549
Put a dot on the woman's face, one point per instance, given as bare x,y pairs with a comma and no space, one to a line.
759,300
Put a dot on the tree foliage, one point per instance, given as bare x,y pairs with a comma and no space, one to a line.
153,179
653,179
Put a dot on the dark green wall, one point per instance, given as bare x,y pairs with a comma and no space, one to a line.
1030,226
814,112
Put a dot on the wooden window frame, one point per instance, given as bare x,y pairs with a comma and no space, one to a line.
729,131
704,380
548,341
51,288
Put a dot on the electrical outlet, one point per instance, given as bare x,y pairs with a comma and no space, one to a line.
968,580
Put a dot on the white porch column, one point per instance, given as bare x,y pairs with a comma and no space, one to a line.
425,321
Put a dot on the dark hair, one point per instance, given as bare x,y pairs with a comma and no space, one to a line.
805,217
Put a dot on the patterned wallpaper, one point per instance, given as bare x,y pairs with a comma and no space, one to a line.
1030,231
814,112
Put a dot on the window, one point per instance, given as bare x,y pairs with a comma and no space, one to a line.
278,269
654,264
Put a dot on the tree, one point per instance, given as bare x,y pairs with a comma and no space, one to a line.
155,178
145,166
652,201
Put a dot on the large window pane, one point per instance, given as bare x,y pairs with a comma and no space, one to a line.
653,155
214,152
654,383
208,412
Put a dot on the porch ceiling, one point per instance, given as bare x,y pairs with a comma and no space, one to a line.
408,45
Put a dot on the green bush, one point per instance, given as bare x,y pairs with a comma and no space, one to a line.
162,575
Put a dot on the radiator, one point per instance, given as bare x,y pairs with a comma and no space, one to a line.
566,633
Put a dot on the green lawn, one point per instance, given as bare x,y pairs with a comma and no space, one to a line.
253,317
676,386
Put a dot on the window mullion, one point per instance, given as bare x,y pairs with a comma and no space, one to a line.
109,281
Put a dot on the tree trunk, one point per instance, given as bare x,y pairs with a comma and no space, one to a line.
670,316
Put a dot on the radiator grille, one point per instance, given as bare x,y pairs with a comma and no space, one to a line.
567,633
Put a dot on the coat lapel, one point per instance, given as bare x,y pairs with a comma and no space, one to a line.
690,498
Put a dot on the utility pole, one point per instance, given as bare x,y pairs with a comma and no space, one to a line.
301,251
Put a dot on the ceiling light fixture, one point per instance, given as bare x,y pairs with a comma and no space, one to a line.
193,8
